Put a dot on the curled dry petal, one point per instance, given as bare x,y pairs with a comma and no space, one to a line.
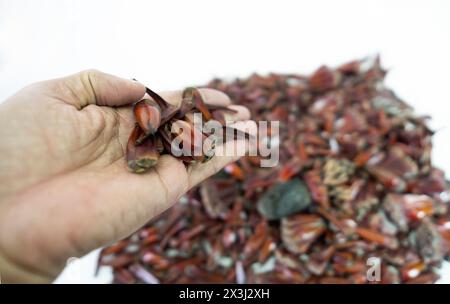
299,231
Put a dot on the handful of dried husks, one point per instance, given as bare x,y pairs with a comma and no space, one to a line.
159,125
355,181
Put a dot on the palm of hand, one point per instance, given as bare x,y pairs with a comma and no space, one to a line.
64,189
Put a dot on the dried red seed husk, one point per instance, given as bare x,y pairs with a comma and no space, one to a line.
192,96
189,137
365,158
318,261
164,105
124,276
141,157
256,240
235,171
115,248
147,154
318,190
324,79
118,261
159,123
148,115
131,150
377,238
298,232
412,271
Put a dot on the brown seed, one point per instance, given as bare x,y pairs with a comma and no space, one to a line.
148,115
143,156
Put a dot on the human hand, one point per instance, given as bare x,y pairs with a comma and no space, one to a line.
64,186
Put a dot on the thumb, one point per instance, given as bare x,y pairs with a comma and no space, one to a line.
95,87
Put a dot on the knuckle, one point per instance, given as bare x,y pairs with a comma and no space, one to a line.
90,76
89,79
91,72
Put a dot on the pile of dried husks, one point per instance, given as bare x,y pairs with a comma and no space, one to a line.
355,181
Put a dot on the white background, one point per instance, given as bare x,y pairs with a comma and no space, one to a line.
171,44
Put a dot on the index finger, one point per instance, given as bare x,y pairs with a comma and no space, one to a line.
210,96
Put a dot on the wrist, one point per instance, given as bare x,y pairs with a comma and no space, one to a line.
12,273
12,267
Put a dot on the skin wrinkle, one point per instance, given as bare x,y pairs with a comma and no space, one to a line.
186,187
94,136
117,132
59,92
100,145
116,93
91,89
74,96
123,122
164,186
66,106
109,117
157,209
115,149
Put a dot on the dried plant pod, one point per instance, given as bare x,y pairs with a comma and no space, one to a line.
161,127
148,115
143,156
299,231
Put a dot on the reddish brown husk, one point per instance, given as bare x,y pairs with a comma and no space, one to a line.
141,157
148,115
153,133
363,155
